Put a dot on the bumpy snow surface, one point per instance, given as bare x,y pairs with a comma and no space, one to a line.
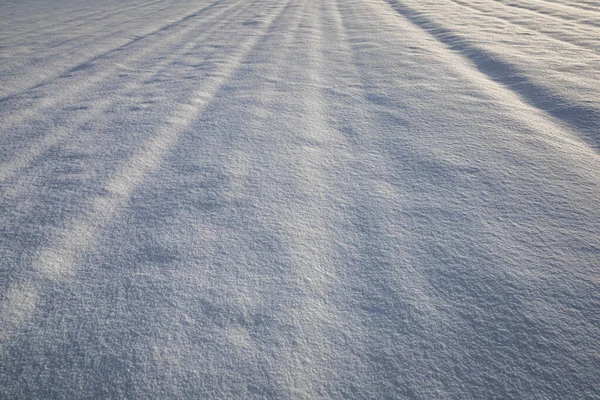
299,199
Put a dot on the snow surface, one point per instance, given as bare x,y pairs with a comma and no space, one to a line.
299,199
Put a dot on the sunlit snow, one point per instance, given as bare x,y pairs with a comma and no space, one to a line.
299,199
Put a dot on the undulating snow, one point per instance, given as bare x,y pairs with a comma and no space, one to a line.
299,199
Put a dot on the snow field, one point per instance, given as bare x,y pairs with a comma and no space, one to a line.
299,199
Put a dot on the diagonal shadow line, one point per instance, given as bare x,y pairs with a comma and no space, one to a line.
87,62
511,20
64,24
10,168
564,17
574,6
57,261
584,120
94,34
47,102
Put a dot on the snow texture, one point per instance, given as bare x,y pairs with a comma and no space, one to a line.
299,199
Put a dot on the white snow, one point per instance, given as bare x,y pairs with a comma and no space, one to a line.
299,199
